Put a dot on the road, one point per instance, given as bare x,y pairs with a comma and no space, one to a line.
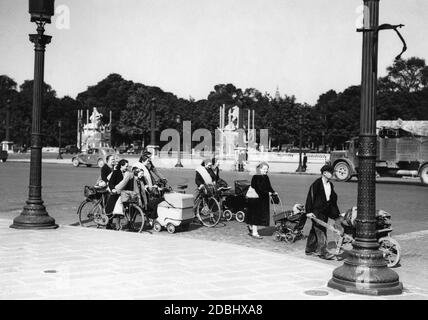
63,185
405,199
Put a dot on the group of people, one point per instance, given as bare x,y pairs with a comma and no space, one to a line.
321,202
142,178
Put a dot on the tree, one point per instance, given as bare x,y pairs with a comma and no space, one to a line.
7,96
110,94
409,75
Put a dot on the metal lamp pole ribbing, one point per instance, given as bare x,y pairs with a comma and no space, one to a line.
365,270
34,214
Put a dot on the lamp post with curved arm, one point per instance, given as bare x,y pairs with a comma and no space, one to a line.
365,270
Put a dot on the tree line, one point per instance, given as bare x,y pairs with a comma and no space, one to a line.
402,93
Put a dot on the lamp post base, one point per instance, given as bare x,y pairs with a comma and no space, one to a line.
365,272
178,165
300,169
34,217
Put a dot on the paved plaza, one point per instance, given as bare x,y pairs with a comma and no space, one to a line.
82,263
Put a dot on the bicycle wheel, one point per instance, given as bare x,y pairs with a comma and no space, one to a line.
209,211
136,218
391,250
87,211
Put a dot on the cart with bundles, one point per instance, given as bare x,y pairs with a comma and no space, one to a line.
388,245
289,223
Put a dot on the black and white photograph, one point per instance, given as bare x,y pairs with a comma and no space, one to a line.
213,156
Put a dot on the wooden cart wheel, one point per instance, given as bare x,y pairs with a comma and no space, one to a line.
276,236
289,238
391,250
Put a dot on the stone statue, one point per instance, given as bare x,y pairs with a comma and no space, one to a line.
95,118
233,116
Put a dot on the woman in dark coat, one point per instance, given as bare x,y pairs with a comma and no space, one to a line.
259,208
116,177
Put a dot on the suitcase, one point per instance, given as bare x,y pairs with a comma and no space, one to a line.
179,200
168,214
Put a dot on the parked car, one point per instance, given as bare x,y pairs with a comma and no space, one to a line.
93,156
3,155
123,149
70,149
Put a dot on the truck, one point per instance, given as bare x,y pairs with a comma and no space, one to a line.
402,150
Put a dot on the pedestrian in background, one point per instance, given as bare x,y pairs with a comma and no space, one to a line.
305,161
321,203
259,208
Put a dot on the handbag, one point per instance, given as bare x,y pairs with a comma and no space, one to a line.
251,193
275,198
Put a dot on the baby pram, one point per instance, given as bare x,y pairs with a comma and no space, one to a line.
235,202
289,224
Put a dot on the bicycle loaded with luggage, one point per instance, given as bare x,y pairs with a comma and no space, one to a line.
388,245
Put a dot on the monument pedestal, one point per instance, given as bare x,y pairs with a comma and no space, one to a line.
7,146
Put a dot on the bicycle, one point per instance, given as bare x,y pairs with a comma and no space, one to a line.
208,208
91,212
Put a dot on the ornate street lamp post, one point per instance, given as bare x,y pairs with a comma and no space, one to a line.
365,270
178,164
34,214
300,168
59,147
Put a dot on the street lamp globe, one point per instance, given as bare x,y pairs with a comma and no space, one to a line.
41,10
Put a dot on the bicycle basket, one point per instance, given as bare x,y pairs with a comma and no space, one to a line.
89,192
129,196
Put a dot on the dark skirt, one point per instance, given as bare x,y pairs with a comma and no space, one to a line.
258,212
111,201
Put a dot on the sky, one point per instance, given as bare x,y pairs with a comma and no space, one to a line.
186,47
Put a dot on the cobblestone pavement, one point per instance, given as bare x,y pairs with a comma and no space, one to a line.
412,268
83,263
